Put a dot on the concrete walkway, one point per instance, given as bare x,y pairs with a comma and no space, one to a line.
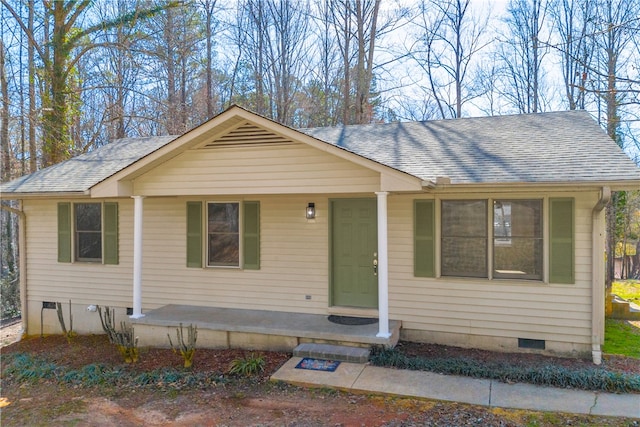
371,379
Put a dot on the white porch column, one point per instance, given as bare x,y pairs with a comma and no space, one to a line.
137,257
383,268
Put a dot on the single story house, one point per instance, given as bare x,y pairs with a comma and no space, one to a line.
480,232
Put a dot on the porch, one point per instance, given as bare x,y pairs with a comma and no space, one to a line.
255,329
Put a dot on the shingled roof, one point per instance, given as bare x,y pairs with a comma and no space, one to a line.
82,172
543,148
559,147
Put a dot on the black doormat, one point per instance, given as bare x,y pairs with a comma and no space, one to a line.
352,321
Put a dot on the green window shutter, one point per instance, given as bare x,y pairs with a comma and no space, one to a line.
424,239
110,231
194,234
64,232
561,241
251,236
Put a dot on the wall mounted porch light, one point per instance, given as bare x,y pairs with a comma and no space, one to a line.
311,211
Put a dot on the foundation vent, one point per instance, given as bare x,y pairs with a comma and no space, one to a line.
532,344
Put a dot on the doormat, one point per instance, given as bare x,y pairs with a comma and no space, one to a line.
352,321
318,364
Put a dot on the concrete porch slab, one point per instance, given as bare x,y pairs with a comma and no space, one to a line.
260,329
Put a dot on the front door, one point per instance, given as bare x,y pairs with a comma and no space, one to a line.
354,242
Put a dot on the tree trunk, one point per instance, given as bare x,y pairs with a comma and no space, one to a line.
6,166
33,152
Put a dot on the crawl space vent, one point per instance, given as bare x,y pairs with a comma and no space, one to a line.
529,343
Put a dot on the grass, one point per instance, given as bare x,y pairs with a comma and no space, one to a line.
628,289
621,337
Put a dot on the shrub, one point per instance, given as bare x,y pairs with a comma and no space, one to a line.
26,368
186,348
248,365
123,339
548,375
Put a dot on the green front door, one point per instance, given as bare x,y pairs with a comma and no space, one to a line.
354,243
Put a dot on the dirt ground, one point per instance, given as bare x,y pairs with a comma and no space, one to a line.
238,402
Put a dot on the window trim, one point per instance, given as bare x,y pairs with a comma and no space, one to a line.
67,247
196,238
546,278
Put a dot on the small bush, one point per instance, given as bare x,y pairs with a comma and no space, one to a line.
549,375
247,366
186,348
9,296
26,368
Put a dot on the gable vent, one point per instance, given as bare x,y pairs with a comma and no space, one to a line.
248,135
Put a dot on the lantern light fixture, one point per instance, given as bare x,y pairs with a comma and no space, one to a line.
311,211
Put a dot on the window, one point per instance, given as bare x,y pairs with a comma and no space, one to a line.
88,232
223,230
516,230
517,239
464,238
229,241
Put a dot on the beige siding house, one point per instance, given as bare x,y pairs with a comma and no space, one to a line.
482,232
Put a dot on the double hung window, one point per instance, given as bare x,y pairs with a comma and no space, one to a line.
501,236
88,232
223,230
229,235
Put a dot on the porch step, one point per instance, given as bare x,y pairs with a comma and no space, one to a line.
342,353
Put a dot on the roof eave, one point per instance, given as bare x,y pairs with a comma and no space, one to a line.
43,195
616,185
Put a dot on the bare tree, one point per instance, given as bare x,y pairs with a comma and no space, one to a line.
172,61
287,55
63,45
356,27
5,147
573,24
522,53
614,37
322,91
209,9
449,37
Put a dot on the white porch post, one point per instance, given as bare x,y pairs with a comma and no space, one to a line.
383,268
137,257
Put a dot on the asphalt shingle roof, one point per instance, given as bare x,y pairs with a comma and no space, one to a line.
84,171
534,148
558,147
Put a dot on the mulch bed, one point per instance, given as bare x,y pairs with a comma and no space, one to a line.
88,349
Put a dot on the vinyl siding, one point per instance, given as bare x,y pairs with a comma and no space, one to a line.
294,263
499,307
284,169
81,282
